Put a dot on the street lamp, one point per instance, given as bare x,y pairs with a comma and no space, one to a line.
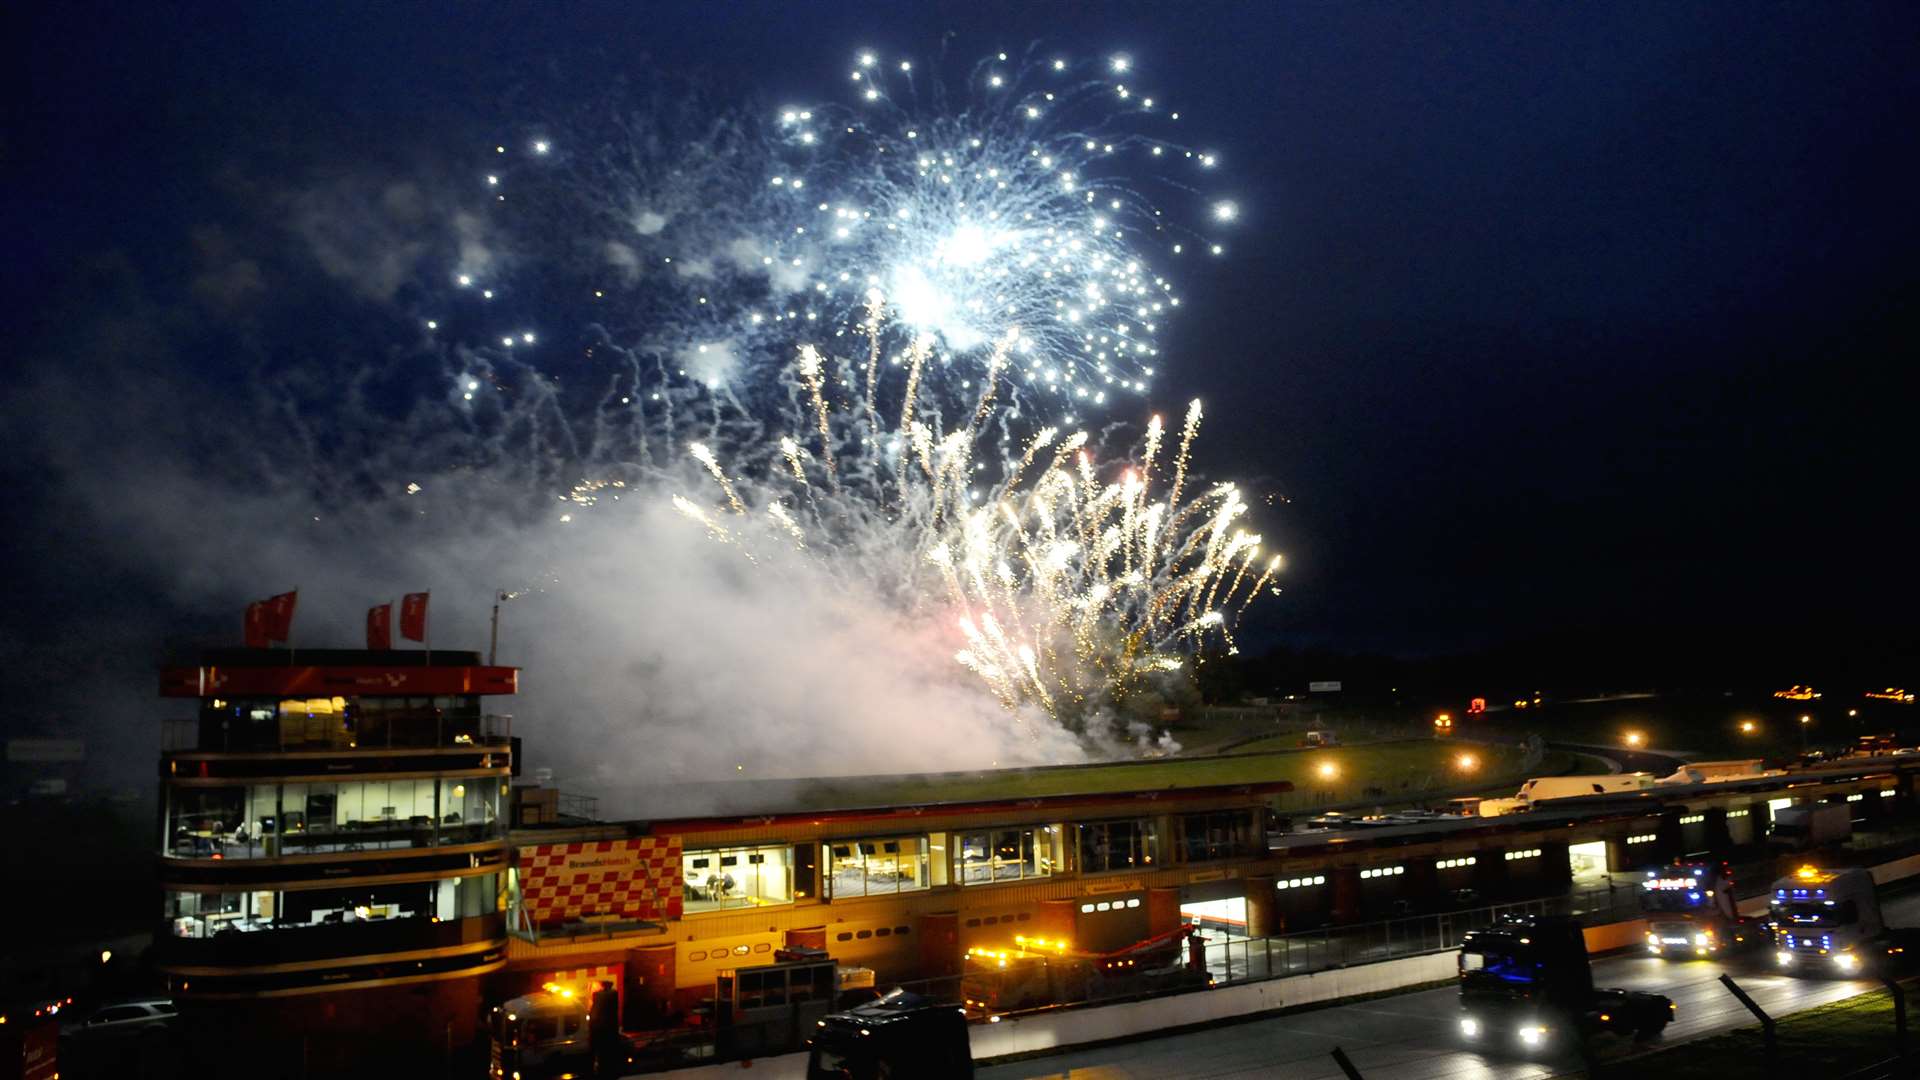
1806,721
1328,770
1748,727
1466,762
1635,739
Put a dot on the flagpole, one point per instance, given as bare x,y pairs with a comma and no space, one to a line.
291,659
493,639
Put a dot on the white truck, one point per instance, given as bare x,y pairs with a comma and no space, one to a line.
1829,922
1548,788
1809,825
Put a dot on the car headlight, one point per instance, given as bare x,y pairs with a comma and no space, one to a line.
1469,1026
1532,1034
1783,958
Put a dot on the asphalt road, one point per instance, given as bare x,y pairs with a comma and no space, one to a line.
1415,1036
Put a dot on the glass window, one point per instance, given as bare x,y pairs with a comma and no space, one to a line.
223,822
198,915
881,866
1118,845
722,878
469,810
1009,854
1223,835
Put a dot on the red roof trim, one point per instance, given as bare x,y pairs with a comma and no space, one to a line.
227,681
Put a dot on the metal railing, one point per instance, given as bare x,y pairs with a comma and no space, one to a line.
378,733
1231,960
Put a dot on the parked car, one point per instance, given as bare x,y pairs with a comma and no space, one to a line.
146,1018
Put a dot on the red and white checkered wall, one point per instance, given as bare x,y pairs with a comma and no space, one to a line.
645,883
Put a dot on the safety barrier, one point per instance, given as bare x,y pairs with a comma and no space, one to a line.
1059,1028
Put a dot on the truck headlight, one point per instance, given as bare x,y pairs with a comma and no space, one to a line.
1469,1026
1783,958
1532,1034
1703,940
1847,961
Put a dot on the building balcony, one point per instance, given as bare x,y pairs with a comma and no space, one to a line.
268,944
361,732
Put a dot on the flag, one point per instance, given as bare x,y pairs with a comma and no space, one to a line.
413,616
257,625
280,615
380,627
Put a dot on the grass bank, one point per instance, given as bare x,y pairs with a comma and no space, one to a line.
1389,771
1830,1041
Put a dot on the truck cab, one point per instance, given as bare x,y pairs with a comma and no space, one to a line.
1525,984
1691,911
1825,921
541,1035
896,1036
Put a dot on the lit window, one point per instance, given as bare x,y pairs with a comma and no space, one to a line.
736,878
880,866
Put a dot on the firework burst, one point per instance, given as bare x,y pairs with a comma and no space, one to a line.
1068,585
1024,206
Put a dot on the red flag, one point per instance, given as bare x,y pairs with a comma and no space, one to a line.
380,627
413,616
257,625
280,615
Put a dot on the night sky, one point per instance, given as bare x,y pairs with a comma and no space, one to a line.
1580,323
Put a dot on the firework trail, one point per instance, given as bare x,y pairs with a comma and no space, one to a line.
1069,590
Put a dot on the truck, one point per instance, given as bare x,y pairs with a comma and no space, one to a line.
1828,922
574,1029
1548,788
1691,911
30,1039
1034,972
545,1034
1809,826
1526,985
897,1035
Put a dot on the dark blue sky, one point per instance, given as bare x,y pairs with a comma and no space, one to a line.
1548,319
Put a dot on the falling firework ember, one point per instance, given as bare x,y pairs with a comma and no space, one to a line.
1067,589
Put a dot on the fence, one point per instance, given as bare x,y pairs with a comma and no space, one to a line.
1235,960
1231,959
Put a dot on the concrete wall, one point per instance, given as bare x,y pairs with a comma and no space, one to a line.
1073,1027
1070,1027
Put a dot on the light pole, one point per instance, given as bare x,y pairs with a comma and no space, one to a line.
493,637
1806,721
